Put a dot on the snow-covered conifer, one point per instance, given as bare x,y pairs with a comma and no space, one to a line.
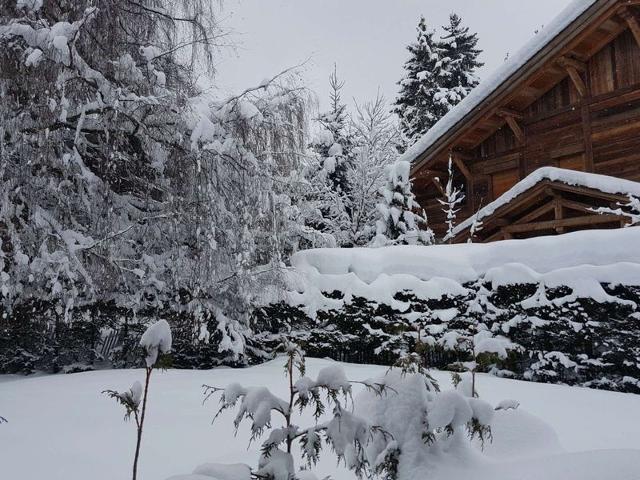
335,143
416,104
399,224
459,62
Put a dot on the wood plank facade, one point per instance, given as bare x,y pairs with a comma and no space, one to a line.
574,105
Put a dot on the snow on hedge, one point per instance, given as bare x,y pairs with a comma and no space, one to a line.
602,183
502,74
581,261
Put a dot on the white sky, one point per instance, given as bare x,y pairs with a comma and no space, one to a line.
365,38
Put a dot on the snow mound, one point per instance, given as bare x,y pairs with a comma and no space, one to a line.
217,471
518,434
582,261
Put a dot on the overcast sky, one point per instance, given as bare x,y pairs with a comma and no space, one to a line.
365,38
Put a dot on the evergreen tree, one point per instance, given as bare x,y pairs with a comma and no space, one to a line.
459,56
439,74
416,104
334,145
399,223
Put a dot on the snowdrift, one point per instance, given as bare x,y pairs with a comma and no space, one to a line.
581,261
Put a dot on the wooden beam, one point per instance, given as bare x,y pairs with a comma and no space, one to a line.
588,192
510,117
628,16
572,62
538,212
515,128
577,81
587,138
577,206
463,168
509,112
566,222
559,213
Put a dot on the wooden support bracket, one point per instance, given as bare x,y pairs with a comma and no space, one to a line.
457,159
515,128
628,16
573,68
508,112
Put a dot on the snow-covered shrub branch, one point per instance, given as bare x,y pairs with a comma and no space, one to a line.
345,433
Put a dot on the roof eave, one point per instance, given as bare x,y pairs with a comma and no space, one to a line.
550,50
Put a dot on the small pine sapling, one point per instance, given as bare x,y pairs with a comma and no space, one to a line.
453,197
156,343
485,349
345,433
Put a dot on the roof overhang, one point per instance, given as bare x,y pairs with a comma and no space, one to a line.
552,200
560,45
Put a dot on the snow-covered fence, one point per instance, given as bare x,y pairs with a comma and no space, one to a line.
109,342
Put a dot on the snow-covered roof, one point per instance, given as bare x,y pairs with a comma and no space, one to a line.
491,83
602,183
580,260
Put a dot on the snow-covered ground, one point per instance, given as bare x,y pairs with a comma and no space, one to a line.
62,428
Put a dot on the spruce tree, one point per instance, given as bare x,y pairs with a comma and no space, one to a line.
335,143
459,56
416,103
399,224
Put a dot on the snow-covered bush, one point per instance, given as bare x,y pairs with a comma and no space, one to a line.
156,343
347,434
425,425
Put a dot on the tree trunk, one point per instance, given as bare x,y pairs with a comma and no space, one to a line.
144,408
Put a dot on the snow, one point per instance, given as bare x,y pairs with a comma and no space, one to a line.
602,183
581,260
217,471
597,433
134,394
31,5
156,339
501,75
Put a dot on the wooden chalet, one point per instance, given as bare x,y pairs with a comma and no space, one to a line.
571,100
